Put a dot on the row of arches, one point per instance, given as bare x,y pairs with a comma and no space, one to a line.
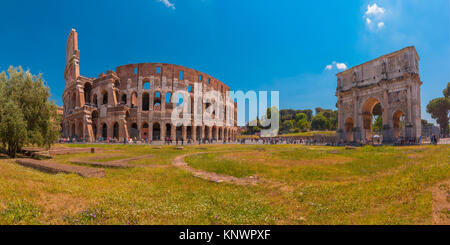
159,131
373,121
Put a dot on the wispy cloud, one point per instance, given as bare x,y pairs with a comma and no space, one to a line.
168,4
374,17
339,66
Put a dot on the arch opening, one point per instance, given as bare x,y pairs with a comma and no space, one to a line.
156,131
145,102
116,131
104,131
372,113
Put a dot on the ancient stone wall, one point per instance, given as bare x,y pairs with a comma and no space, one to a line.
137,101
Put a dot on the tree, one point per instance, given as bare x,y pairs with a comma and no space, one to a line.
303,124
319,122
438,108
378,124
28,117
13,130
301,116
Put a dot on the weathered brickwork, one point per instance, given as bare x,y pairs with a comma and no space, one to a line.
393,81
135,101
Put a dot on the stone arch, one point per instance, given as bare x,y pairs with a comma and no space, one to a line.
104,131
133,131
105,98
87,93
123,99
94,100
116,130
179,133
94,130
145,131
168,130
80,133
146,84
156,131
145,101
199,133
189,132
367,111
134,100
220,134
157,101
168,97
214,132
73,100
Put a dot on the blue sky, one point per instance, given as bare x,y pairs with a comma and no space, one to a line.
295,47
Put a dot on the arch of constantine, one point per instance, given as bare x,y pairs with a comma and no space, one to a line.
389,87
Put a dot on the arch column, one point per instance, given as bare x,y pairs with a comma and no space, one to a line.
184,132
162,127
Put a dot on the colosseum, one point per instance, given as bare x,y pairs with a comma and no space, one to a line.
137,100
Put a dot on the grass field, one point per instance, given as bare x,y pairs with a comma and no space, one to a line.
302,185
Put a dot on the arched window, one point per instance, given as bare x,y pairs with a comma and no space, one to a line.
179,99
147,84
124,98
157,99
168,97
94,101
74,100
116,131
105,98
94,115
189,88
87,93
134,100
181,75
145,102
104,131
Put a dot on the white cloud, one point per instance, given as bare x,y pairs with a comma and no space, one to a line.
168,4
374,17
339,66
374,10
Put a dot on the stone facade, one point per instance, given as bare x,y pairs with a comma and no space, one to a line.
391,80
135,101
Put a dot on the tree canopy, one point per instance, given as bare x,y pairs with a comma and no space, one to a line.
27,116
439,108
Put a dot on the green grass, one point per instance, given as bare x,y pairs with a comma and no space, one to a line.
306,185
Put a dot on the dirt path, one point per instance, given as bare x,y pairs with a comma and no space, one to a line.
210,176
441,203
